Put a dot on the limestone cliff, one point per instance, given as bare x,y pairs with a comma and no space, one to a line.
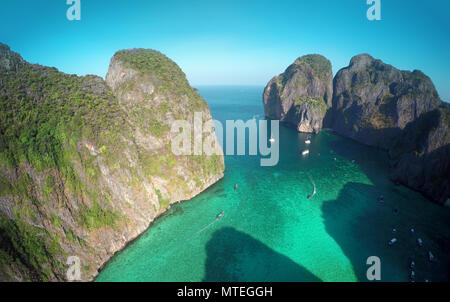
302,94
374,101
86,165
379,105
420,156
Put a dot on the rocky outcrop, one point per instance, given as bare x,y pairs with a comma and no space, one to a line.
9,60
302,94
86,164
420,156
399,111
373,101
375,104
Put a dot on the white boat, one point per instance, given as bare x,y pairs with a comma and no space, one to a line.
306,152
308,142
430,256
272,140
419,241
392,241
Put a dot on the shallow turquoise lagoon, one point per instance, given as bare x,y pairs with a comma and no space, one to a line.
271,231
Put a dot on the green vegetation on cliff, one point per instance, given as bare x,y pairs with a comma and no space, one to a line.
32,246
45,111
169,76
317,104
45,114
77,166
320,64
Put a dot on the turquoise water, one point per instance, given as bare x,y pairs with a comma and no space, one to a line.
272,232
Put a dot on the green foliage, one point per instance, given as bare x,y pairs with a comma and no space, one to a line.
211,165
158,164
56,221
317,104
170,79
320,65
35,128
5,258
46,119
5,187
34,246
70,235
48,185
96,216
163,202
157,128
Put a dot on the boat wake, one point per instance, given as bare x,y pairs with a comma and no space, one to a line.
218,217
205,227
314,185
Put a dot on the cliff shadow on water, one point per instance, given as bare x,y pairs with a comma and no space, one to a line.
373,162
367,230
236,256
371,223
402,209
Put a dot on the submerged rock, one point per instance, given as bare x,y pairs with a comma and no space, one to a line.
302,94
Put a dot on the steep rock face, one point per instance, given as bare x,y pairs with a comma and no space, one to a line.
420,157
86,166
8,59
301,95
374,101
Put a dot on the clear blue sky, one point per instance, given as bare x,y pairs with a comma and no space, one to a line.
230,41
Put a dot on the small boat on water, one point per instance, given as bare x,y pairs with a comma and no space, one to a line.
412,264
271,140
412,275
307,142
306,152
236,187
419,242
392,241
430,256
220,215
